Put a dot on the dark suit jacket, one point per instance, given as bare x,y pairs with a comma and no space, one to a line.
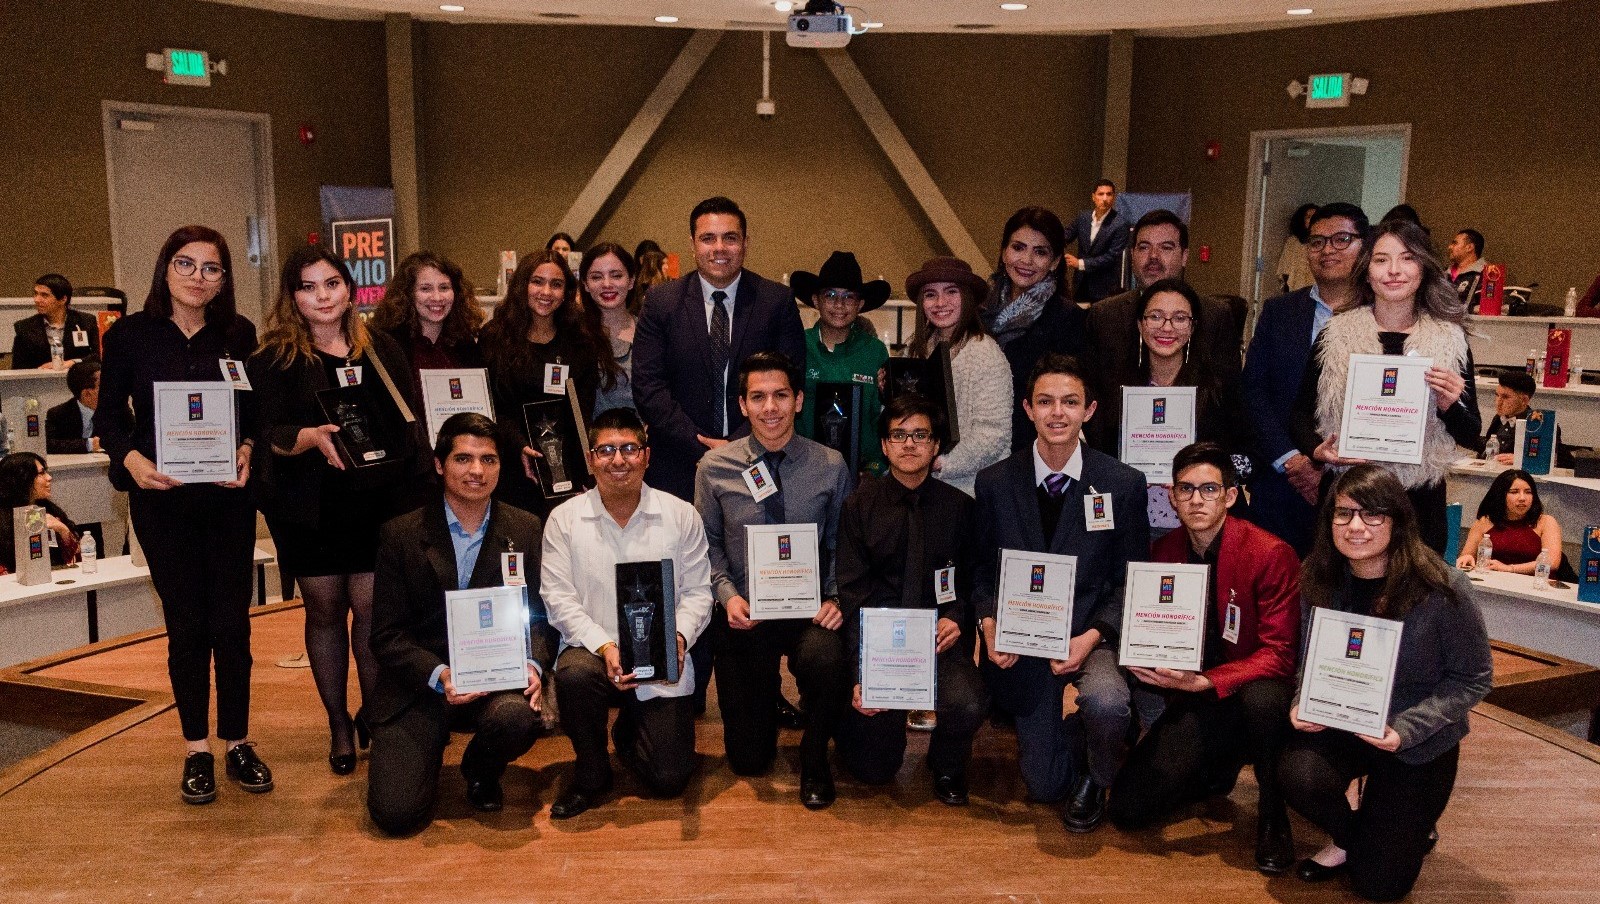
674,386
1273,368
63,429
1102,258
1058,329
31,347
1261,575
416,565
1008,518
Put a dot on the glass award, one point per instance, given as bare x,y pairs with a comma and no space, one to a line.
929,377
837,422
647,621
366,437
557,431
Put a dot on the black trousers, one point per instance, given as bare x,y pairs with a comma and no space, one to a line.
748,682
1388,837
408,751
1200,741
1052,752
655,737
873,747
199,540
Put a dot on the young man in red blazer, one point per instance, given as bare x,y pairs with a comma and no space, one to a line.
1236,708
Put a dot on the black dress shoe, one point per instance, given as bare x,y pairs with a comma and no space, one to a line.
789,715
485,795
245,768
1086,807
951,790
1311,871
816,788
199,784
1274,845
342,763
574,802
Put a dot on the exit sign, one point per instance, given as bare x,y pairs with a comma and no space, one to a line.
1329,90
186,67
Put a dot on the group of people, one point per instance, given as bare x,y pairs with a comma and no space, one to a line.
697,400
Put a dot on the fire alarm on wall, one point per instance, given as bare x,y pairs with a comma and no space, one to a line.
307,135
1205,254
1213,150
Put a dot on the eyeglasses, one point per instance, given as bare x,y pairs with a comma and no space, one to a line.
1207,491
901,437
841,296
1339,241
1179,320
630,451
1343,516
183,266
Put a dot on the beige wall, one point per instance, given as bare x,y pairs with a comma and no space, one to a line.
63,57
1501,102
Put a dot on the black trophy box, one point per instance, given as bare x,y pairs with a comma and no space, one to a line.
930,377
836,414
647,628
555,427
369,435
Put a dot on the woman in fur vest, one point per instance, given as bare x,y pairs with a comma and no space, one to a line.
1404,306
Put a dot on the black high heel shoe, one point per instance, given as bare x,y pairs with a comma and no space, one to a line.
363,731
345,763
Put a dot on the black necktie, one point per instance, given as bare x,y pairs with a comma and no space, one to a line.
912,578
774,503
719,331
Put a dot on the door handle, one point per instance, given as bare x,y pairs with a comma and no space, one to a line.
252,233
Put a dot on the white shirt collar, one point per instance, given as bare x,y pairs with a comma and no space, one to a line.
732,289
1074,468
648,505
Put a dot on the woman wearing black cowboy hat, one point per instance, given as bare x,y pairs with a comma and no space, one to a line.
843,347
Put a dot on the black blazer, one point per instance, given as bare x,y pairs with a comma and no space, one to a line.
1008,518
674,386
1059,328
31,347
416,565
63,429
1279,352
1102,258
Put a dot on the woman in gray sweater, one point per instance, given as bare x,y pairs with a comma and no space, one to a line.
1370,559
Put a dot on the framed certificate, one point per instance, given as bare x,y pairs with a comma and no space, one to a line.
930,377
1033,612
556,428
782,571
488,631
1157,421
836,413
450,392
1349,671
647,610
897,658
1387,404
196,437
1164,616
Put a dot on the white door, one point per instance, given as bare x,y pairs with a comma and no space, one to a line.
168,167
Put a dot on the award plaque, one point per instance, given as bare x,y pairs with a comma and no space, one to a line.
366,437
837,413
556,428
647,628
31,545
928,376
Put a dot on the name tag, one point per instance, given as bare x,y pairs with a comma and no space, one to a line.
351,375
511,573
1230,624
944,585
233,371
80,337
555,379
50,538
1097,513
760,481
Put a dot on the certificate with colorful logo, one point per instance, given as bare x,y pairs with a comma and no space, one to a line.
488,631
1349,671
1033,610
1387,404
782,570
1164,616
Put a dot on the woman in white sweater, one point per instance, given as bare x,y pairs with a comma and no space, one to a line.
947,294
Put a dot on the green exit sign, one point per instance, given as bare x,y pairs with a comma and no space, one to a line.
187,67
1329,90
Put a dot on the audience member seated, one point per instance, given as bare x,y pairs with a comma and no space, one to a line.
1466,266
69,426
1512,399
1514,520
25,480
75,333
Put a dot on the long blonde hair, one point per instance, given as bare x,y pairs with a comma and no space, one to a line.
287,336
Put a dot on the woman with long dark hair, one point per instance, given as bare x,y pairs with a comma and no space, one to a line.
429,310
1404,306
324,512
199,538
1370,559
25,480
611,307
1513,518
1029,309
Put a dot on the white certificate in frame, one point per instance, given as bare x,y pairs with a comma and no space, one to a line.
448,392
1387,404
1033,607
196,437
488,637
1164,616
898,658
1348,675
1157,421
782,571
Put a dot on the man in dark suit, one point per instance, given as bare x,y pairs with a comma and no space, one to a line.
1512,399
77,332
69,427
1062,497
691,336
1102,237
456,543
1285,486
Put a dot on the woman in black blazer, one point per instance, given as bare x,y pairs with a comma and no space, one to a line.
323,509
429,310
1370,559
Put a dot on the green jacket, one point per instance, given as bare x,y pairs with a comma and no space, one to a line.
856,360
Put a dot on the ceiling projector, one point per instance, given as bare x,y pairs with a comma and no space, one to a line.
819,25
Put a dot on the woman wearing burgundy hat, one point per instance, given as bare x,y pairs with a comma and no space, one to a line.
843,347
946,293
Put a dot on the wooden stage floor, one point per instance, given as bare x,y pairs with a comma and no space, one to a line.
107,825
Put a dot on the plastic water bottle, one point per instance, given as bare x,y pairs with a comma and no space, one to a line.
89,555
1491,448
57,353
1575,370
1570,307
1485,552
1541,571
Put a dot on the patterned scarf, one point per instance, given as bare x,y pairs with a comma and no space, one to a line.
1006,318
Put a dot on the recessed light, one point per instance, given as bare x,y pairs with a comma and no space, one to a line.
1301,11
666,20
452,8
783,6
872,25
1013,7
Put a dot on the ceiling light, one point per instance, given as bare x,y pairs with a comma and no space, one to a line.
452,8
872,25
1301,11
783,6
666,20
1013,7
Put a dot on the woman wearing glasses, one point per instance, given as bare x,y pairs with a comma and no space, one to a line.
843,347
1169,313
199,538
1370,559
1404,305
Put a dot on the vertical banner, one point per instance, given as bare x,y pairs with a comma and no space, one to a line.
359,224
